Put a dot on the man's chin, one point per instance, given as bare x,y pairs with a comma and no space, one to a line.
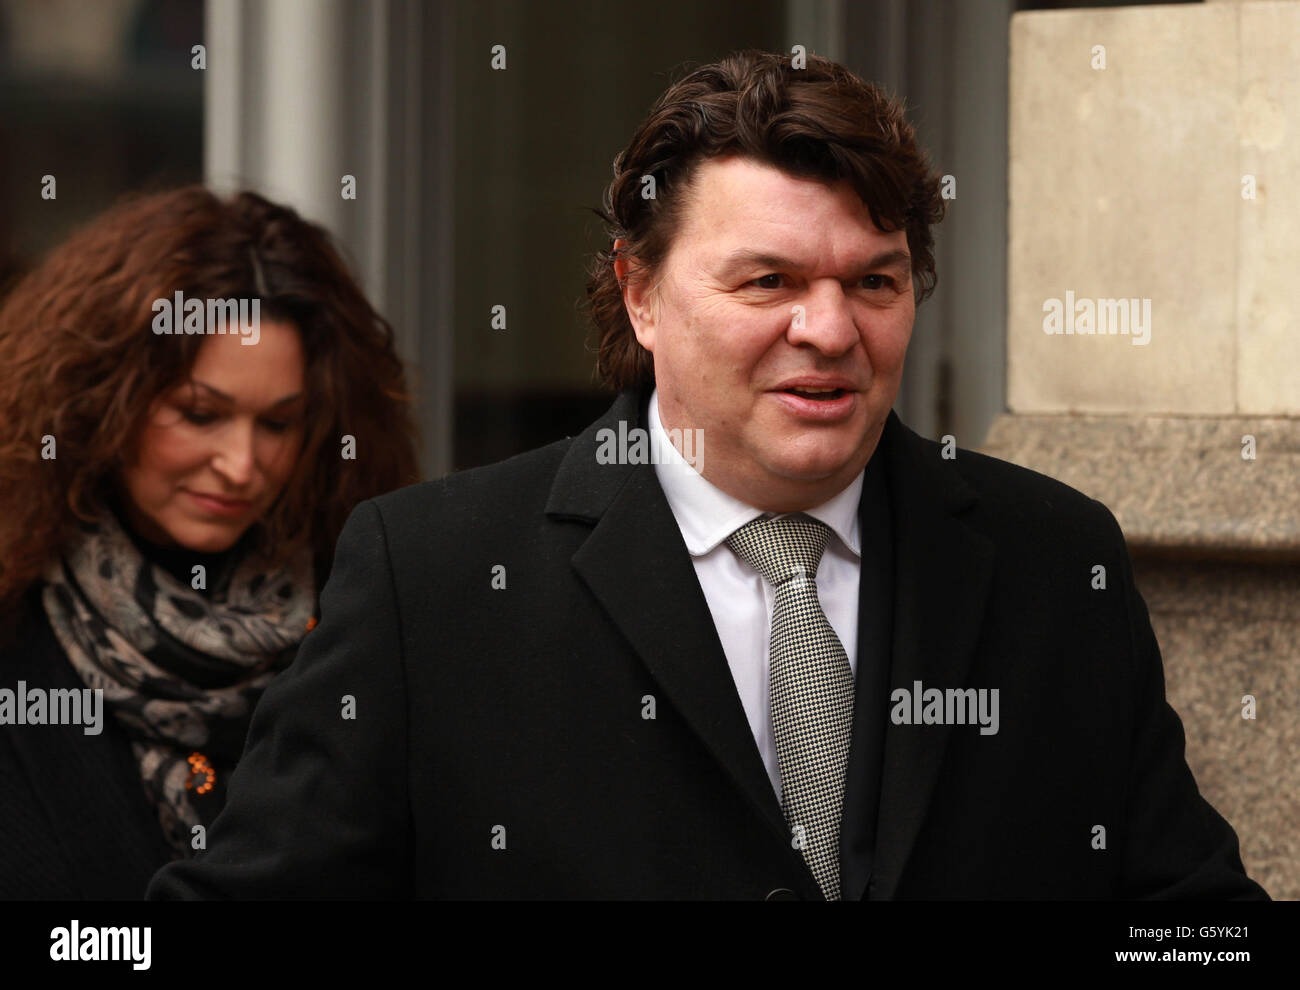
813,469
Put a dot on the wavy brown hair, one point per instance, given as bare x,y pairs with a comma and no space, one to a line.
80,362
818,122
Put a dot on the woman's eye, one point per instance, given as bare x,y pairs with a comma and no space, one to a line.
276,426
198,418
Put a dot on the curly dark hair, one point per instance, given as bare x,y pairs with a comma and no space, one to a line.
79,361
819,122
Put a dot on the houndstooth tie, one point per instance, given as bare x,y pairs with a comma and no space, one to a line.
811,687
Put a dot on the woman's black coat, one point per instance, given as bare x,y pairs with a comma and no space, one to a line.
74,819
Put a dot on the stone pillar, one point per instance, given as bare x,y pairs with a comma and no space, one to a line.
299,94
1153,353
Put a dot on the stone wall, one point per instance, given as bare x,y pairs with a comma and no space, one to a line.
1154,354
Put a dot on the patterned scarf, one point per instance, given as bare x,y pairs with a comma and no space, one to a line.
180,672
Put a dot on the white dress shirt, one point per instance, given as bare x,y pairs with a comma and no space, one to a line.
738,596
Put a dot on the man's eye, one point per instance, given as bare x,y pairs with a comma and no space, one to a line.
769,285
881,281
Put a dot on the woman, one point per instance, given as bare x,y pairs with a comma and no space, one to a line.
195,394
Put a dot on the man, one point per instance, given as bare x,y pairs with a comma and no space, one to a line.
815,659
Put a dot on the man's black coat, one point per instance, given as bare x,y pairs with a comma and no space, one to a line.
500,746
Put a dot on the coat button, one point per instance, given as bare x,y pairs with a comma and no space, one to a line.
782,894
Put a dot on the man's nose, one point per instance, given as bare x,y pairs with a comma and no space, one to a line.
823,317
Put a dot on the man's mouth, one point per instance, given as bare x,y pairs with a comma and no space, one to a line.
817,394
818,402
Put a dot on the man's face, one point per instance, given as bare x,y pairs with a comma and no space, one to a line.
774,285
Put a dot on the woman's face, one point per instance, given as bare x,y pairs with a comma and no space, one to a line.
216,450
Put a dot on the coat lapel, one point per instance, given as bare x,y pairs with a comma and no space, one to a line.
875,625
942,576
639,570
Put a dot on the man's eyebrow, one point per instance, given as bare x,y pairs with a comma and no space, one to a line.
892,259
226,398
748,259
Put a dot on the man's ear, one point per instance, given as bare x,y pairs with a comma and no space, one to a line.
638,298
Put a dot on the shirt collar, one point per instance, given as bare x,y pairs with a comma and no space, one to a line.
707,515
